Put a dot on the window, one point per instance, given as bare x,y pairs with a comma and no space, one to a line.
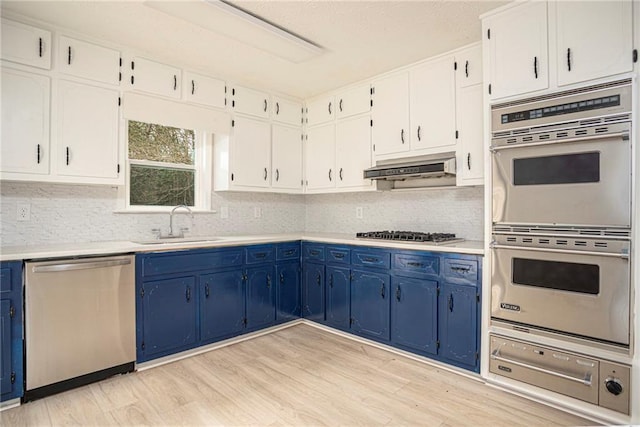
162,165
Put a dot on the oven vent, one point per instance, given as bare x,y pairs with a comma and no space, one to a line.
618,118
561,242
617,233
562,134
580,243
527,240
600,244
580,132
559,231
543,241
590,122
502,134
602,130
544,137
520,131
511,239
512,140
527,138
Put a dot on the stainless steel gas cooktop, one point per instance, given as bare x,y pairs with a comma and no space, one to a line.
411,236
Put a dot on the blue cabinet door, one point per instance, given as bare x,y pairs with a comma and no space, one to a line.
458,324
414,314
370,304
6,361
337,290
169,316
313,292
261,302
11,384
288,298
221,305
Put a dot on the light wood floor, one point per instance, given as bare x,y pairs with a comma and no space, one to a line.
296,376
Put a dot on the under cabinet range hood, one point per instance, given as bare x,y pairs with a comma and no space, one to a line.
413,173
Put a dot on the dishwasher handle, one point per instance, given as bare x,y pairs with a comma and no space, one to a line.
81,265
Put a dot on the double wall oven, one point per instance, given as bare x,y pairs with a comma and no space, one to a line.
561,239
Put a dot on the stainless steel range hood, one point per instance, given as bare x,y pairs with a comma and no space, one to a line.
414,173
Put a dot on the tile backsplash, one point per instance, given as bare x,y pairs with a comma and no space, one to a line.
74,213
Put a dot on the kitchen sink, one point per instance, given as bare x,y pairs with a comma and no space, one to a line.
167,241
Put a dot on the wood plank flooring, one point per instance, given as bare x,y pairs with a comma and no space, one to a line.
299,376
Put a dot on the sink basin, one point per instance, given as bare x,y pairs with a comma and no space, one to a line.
167,241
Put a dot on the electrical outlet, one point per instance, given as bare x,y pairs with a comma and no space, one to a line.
24,212
257,212
359,213
224,212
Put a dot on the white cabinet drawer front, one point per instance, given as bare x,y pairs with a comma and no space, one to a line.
354,101
204,90
89,61
320,110
154,77
25,44
469,67
249,101
286,111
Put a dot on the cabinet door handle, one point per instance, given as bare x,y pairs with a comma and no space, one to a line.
40,47
461,269
314,252
469,161
277,175
415,264
289,252
330,178
193,87
265,106
67,156
369,259
340,105
331,280
206,290
340,174
69,55
466,68
277,108
175,82
329,108
450,301
382,290
402,135
318,279
569,58
188,294
265,174
338,256
419,136
268,281
398,293
38,153
281,278
535,66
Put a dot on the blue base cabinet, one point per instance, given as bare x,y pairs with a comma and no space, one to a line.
313,291
289,291
221,305
458,320
261,307
370,304
11,355
338,289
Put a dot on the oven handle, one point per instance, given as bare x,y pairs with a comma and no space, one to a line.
561,251
495,355
81,265
623,134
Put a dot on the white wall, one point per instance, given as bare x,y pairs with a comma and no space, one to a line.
74,213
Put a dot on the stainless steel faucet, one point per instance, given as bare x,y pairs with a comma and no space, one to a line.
181,233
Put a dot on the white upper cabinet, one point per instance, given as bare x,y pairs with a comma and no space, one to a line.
204,90
25,44
320,158
353,153
154,77
286,158
250,101
390,113
89,61
516,42
353,101
251,153
594,39
469,67
25,123
470,152
86,130
320,110
286,111
432,96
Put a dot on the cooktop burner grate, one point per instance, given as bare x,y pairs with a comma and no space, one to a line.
410,236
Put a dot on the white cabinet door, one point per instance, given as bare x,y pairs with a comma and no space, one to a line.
204,90
354,101
390,114
250,101
320,110
353,152
250,153
432,95
517,49
470,153
469,66
154,77
25,44
286,111
320,157
89,61
25,123
286,163
594,39
86,129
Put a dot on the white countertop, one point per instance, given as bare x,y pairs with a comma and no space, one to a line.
64,250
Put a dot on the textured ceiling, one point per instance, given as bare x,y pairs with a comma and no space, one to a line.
360,38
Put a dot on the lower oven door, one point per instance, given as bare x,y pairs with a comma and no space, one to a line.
579,293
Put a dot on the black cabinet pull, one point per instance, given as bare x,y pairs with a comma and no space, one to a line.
450,301
277,108
69,55
289,252
419,136
277,175
175,82
340,174
398,293
40,47
415,264
265,105
461,269
569,58
67,156
369,259
340,105
261,255
314,252
281,278
188,295
402,135
469,161
338,256
131,79
206,290
268,281
329,108
193,87
382,290
265,174
318,279
38,153
331,280
535,66
466,68
330,178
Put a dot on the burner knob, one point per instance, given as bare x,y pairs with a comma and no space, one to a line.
613,386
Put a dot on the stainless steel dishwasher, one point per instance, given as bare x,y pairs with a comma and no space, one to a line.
79,322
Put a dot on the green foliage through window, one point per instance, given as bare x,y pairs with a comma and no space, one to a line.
152,186
159,143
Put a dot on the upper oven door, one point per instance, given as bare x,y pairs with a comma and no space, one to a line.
578,182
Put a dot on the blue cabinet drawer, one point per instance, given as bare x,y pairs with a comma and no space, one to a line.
338,255
371,258
313,252
260,254
190,261
461,270
6,282
416,265
288,251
